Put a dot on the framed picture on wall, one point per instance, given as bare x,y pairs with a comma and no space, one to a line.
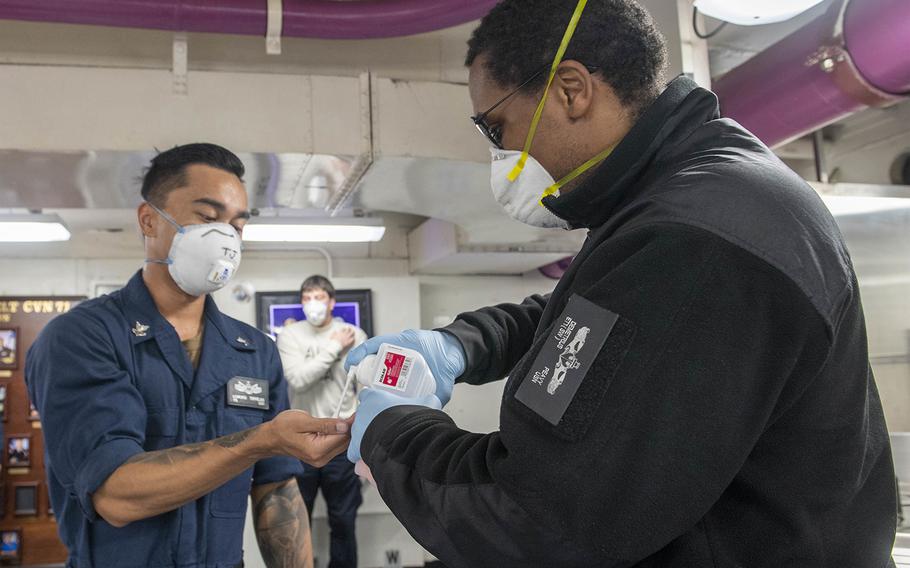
11,546
26,498
3,389
19,451
274,310
9,348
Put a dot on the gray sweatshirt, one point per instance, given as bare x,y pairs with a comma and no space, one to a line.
314,368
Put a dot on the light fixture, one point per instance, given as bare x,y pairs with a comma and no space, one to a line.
32,228
752,13
844,205
291,230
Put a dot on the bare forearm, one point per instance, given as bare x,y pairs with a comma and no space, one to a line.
153,483
282,525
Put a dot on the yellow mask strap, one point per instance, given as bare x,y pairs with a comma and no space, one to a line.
570,31
577,172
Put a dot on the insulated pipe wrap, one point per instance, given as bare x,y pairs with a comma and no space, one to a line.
787,91
327,19
877,35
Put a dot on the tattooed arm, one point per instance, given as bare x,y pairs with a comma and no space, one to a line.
282,525
153,483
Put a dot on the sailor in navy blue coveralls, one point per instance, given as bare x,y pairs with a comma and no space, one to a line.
160,425
112,380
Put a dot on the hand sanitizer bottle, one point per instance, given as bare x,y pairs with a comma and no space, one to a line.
398,370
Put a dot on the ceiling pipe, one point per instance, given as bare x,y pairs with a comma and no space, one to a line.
855,55
325,19
555,270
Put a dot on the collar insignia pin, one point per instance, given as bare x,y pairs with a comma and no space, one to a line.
140,330
242,341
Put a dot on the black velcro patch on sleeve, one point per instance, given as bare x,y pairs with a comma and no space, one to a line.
563,362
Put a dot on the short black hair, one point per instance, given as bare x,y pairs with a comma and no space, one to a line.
617,37
317,281
167,171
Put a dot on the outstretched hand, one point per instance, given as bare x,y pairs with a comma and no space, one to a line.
312,440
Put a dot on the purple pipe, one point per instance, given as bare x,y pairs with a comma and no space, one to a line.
877,35
555,270
779,97
326,19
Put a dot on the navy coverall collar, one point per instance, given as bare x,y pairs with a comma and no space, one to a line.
147,323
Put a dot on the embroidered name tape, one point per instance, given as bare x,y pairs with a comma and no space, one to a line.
251,393
564,360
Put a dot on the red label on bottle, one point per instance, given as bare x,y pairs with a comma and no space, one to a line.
393,365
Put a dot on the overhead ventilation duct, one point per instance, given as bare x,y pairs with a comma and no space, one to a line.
855,55
326,19
441,247
467,231
111,180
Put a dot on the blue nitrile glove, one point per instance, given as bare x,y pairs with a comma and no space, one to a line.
372,403
442,352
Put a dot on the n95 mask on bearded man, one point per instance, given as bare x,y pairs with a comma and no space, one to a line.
520,199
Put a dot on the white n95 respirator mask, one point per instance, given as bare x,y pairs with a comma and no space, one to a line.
519,182
316,312
520,199
203,258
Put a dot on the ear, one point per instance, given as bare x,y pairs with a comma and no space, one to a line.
146,216
574,88
331,304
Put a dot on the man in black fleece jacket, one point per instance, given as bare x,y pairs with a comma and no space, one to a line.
696,390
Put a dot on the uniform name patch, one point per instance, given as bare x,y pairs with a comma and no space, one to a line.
251,393
565,358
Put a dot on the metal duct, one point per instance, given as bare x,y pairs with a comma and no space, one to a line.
326,19
855,55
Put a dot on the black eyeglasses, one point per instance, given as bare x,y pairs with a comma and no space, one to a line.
494,134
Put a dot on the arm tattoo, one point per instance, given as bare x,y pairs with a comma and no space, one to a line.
177,454
234,440
283,528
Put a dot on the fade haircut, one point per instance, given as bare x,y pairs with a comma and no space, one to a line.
167,171
616,39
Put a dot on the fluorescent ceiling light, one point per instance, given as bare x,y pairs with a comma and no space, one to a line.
286,230
32,228
843,205
752,13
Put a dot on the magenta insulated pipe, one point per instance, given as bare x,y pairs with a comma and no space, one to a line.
855,55
327,19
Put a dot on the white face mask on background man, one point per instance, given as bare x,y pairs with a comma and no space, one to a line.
316,312
203,258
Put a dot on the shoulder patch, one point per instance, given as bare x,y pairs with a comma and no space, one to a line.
562,363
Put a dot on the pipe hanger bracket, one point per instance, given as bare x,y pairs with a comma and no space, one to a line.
833,57
275,22
180,53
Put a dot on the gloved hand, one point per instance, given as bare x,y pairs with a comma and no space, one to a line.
372,403
442,352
